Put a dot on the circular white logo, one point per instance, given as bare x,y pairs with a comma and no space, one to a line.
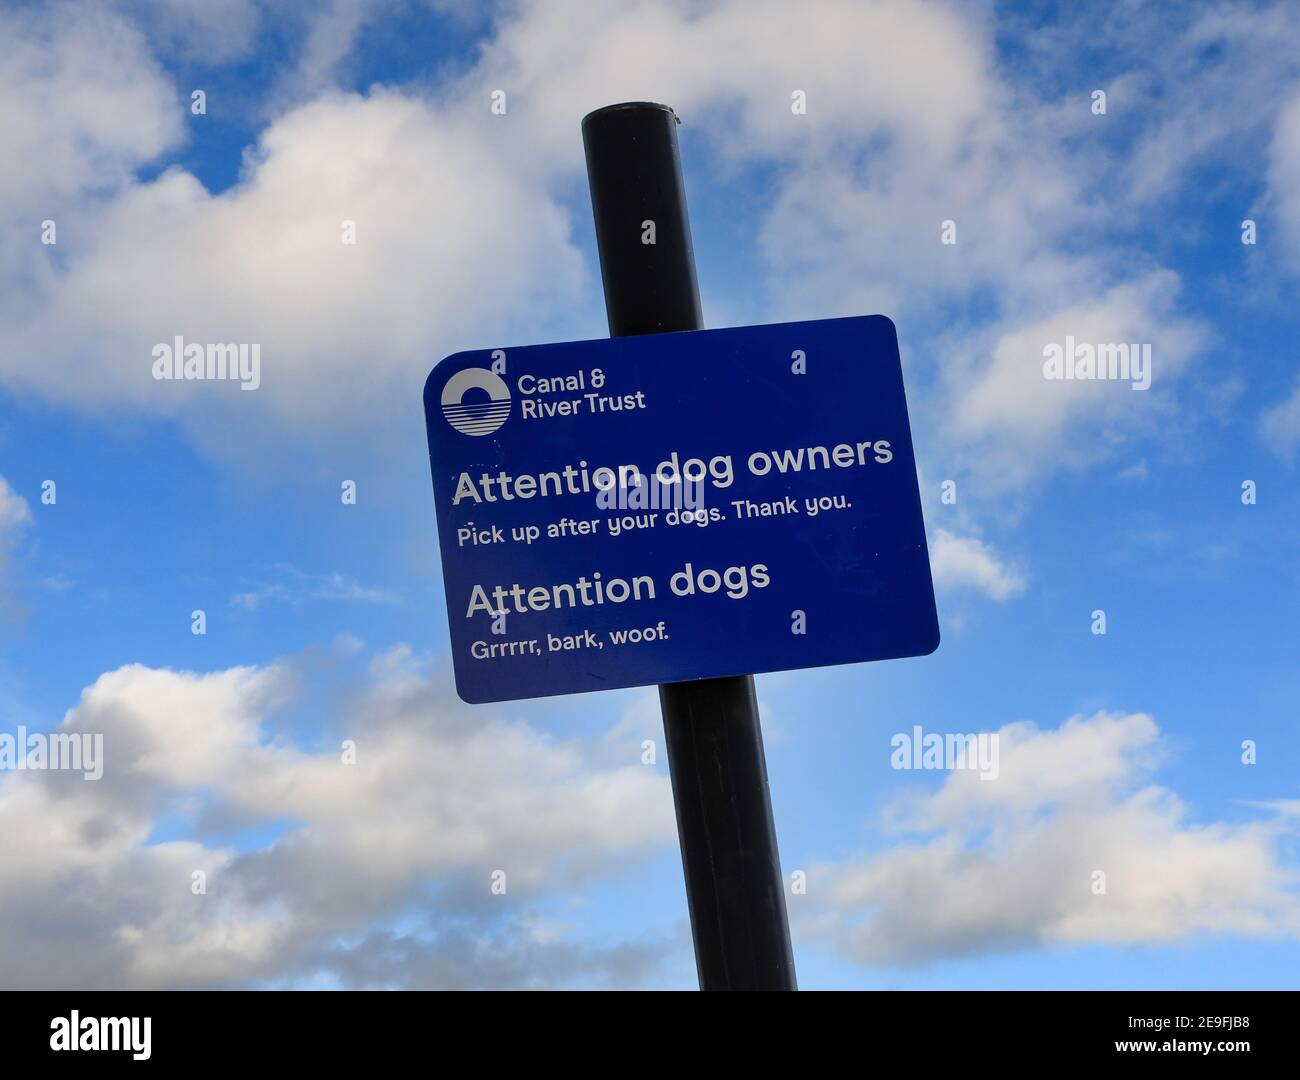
476,417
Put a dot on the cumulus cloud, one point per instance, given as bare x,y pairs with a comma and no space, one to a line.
933,131
316,869
967,562
883,154
85,104
461,239
670,51
1011,863
448,243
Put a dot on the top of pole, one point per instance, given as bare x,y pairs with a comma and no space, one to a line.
622,105
643,236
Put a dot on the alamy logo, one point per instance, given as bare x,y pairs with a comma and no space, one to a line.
73,751
929,750
192,360
476,416
114,1033
1120,362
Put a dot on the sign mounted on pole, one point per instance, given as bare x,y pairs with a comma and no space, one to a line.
667,507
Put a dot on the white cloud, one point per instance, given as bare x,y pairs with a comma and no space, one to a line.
14,511
255,598
338,586
1284,176
449,242
1014,424
208,31
461,239
1210,89
1009,864
1280,425
296,586
932,130
670,52
85,103
437,800
329,33
884,153
15,516
967,562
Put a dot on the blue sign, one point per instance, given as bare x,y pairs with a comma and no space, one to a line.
668,507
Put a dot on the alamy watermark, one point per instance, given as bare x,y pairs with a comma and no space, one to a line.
629,489
1080,360
212,362
918,749
70,751
128,1034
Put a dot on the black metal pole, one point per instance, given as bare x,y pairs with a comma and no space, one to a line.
734,886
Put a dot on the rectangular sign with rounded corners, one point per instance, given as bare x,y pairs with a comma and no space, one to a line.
668,507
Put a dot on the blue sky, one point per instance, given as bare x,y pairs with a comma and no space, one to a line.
325,621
